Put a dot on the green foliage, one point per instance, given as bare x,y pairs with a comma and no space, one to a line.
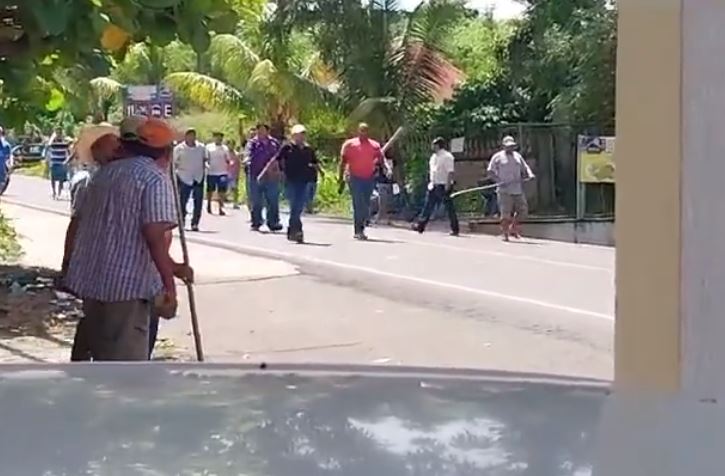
475,46
39,38
9,247
206,123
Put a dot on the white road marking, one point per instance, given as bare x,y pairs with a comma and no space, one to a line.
294,257
428,282
567,264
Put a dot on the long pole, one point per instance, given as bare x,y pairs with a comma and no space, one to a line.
185,257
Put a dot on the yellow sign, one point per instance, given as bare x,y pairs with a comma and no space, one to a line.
596,159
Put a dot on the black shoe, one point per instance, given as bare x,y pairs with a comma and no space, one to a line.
361,236
455,233
299,237
222,213
194,227
255,227
275,228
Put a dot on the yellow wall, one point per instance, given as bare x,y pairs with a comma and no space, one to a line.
647,343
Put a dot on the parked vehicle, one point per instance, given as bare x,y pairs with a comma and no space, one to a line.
28,153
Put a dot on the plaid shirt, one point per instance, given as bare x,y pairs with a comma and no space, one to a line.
111,261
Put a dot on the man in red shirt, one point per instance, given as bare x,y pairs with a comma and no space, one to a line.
359,158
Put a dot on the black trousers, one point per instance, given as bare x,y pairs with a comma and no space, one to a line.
433,198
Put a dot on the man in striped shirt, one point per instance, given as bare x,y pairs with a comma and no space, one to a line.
58,155
117,257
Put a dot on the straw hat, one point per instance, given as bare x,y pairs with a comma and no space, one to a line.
88,136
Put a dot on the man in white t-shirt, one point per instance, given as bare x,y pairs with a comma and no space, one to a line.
440,185
217,177
189,158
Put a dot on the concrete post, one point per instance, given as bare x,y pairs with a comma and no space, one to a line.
667,412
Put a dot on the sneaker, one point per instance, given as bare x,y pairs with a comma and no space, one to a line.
361,236
455,233
299,238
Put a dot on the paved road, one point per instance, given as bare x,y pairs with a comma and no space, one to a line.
560,291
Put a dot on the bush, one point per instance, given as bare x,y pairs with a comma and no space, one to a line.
9,247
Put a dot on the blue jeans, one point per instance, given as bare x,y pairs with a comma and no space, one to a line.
361,190
311,193
264,195
195,191
297,194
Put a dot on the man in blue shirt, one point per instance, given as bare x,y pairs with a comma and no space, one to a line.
5,152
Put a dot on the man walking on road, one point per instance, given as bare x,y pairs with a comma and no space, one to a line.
58,155
440,186
299,164
217,179
264,191
358,159
510,171
190,159
116,256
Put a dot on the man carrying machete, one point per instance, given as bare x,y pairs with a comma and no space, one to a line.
510,171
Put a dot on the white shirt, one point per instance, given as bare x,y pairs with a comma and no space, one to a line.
219,158
442,163
189,161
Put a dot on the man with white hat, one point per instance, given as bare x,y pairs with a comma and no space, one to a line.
510,171
298,161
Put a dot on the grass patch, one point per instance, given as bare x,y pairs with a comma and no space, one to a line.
38,169
10,249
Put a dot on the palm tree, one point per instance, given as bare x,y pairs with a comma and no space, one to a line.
390,61
259,76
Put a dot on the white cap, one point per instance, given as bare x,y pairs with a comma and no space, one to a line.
508,141
298,129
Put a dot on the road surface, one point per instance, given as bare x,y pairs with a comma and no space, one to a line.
554,293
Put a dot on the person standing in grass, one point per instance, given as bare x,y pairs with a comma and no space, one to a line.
299,164
217,177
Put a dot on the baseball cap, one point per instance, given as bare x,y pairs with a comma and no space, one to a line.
298,129
148,131
508,141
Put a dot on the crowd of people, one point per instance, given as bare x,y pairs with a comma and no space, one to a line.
124,208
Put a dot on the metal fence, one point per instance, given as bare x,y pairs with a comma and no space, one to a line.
549,149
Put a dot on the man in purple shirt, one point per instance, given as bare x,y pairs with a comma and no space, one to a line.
264,190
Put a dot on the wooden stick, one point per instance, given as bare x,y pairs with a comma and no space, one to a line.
185,257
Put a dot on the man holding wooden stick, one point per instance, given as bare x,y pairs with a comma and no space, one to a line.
117,258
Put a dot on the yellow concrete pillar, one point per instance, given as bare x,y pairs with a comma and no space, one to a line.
667,412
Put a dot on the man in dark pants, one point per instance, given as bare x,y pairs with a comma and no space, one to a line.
299,164
440,185
190,158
